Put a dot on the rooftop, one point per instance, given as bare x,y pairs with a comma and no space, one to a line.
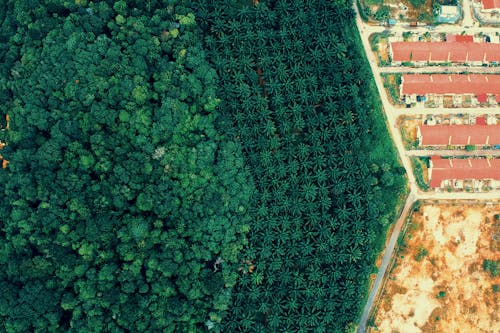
422,84
463,169
491,4
459,135
459,38
450,51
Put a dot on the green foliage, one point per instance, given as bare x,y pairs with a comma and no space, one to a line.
419,165
470,147
383,13
127,200
298,92
407,35
364,11
421,253
392,83
491,266
417,3
441,294
125,204
374,40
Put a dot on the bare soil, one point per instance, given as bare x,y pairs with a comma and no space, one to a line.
446,289
383,49
409,15
409,131
447,101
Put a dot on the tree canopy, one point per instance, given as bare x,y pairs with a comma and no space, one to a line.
124,206
189,166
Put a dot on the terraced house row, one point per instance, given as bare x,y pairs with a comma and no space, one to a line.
456,49
484,88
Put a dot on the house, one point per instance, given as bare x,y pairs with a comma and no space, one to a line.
458,135
428,85
448,172
460,38
456,49
490,5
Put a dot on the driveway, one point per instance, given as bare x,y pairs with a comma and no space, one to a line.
455,152
441,69
392,113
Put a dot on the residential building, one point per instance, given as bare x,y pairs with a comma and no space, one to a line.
490,5
456,49
459,85
453,172
458,135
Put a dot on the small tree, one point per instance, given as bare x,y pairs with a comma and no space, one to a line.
383,13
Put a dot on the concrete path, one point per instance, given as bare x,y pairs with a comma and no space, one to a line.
441,69
453,152
392,113
419,110
467,21
385,262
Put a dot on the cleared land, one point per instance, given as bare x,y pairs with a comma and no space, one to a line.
439,283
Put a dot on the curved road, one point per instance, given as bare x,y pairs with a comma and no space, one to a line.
385,261
392,114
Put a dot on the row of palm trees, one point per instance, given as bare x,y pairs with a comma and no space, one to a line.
299,105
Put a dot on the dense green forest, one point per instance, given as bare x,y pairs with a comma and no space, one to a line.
299,93
189,166
123,208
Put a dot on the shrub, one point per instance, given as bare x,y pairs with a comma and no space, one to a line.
492,266
417,3
422,252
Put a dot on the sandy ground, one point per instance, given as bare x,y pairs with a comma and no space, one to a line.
383,49
409,131
457,240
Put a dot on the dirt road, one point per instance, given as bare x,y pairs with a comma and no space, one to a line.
392,113
385,261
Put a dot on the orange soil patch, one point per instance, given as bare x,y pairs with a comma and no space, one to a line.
409,130
425,173
383,49
457,240
448,101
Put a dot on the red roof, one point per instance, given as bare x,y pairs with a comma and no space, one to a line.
454,51
482,98
422,84
460,38
462,169
459,135
491,4
480,120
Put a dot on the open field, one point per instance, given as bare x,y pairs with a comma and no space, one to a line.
392,83
401,10
438,283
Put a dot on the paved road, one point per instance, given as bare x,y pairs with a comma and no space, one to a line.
442,28
448,152
385,261
467,21
392,113
389,109
441,69
476,196
419,110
